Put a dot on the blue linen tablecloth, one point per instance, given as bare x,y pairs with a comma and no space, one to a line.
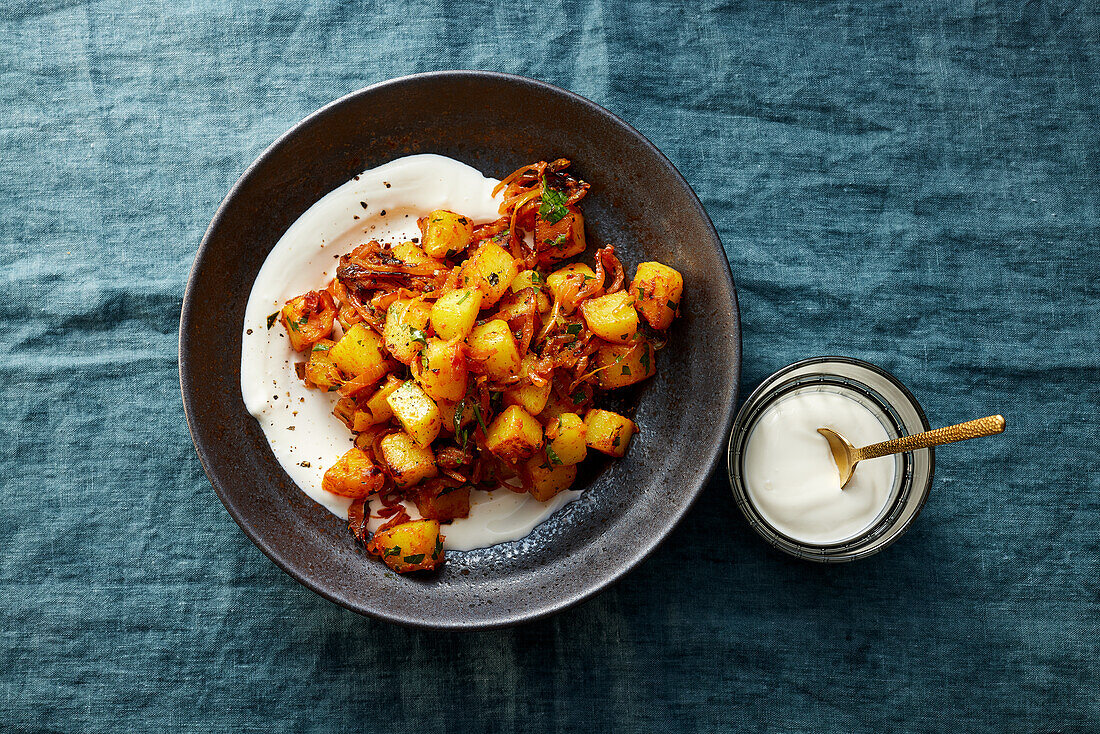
911,183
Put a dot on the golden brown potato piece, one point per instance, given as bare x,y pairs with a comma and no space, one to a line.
447,233
565,442
624,364
657,289
353,475
443,370
493,350
447,505
321,371
404,332
308,319
359,354
544,479
409,463
514,435
454,314
491,269
608,432
611,317
410,546
559,240
416,412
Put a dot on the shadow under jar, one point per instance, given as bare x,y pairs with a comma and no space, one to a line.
884,397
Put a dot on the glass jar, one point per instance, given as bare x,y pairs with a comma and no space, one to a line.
894,406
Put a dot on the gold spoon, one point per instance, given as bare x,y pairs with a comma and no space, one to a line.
847,456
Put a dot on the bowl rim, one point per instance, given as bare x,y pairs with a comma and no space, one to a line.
643,550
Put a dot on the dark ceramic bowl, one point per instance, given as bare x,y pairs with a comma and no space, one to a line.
638,202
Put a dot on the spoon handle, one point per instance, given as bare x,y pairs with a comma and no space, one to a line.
949,434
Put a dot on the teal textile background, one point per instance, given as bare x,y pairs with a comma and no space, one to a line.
912,183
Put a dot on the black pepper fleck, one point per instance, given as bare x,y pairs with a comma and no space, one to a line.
249,331
383,212
363,204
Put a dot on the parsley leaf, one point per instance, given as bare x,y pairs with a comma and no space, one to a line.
645,360
271,319
322,347
552,208
480,420
578,396
550,454
573,329
391,551
626,370
414,558
557,241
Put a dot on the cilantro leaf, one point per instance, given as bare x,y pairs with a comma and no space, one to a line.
271,319
414,558
557,241
480,420
550,454
465,296
645,360
573,329
578,396
322,347
391,551
626,369
552,208
672,305
418,336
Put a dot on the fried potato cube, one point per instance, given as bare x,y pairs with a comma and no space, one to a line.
611,317
411,254
416,412
410,546
527,279
624,364
514,435
544,479
608,432
442,373
358,354
493,350
321,371
491,269
376,406
353,475
454,314
530,397
308,318
447,233
409,463
568,280
404,330
560,240
657,289
565,440
447,505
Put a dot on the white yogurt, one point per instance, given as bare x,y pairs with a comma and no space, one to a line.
383,204
792,479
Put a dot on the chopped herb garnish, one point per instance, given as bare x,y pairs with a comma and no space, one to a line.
418,336
460,409
573,329
414,558
293,325
672,305
321,347
451,253
557,241
626,370
578,396
552,456
271,319
552,208
616,441
391,551
423,362
438,544
496,401
645,360
465,296
480,420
